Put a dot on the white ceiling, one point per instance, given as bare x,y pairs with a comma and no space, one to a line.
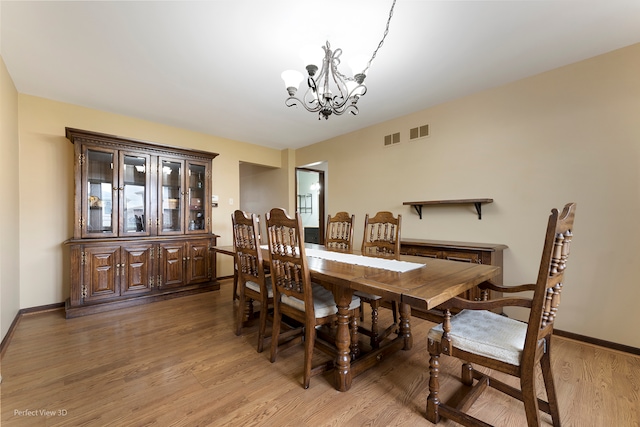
214,66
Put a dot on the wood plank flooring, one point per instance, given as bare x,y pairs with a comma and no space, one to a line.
178,363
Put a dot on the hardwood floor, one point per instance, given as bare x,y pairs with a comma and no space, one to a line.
178,362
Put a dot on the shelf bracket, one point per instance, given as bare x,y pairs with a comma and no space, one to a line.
478,206
418,209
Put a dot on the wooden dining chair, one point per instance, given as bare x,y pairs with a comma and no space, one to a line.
339,235
382,235
253,283
477,335
294,294
382,239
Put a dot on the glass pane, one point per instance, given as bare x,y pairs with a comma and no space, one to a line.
196,197
171,200
135,173
100,190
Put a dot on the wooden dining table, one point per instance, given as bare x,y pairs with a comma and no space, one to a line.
425,287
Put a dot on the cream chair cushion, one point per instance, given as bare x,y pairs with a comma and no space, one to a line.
256,287
487,334
323,302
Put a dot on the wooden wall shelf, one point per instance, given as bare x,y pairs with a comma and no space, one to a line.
476,202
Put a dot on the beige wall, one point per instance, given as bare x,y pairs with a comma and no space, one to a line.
571,134
9,198
262,189
46,176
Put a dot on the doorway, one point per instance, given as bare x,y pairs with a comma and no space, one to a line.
310,203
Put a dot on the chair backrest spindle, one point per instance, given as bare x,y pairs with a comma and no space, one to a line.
382,235
339,233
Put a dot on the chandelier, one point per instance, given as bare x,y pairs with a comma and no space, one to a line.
330,92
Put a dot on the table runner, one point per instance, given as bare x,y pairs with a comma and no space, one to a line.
367,261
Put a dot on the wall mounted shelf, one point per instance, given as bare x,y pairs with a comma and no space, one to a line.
476,202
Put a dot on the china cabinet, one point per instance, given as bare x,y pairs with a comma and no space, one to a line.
142,224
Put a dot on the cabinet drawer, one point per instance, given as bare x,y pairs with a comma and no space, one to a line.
422,251
462,256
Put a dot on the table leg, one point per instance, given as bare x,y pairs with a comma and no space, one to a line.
343,339
405,326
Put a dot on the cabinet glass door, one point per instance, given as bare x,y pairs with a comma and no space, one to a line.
99,217
171,196
134,194
197,197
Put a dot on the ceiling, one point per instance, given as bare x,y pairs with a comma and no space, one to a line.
214,66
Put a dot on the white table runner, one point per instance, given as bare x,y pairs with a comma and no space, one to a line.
367,261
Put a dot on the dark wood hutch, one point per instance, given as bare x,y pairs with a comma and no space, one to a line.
142,223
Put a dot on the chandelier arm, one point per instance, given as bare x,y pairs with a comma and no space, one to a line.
294,101
363,90
351,108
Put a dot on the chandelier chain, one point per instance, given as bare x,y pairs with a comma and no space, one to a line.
384,36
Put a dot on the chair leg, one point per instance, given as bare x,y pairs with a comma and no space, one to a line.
467,374
235,283
355,348
241,313
434,384
309,341
394,308
263,325
375,337
529,397
248,309
545,365
275,331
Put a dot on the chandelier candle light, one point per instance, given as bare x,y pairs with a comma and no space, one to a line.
319,97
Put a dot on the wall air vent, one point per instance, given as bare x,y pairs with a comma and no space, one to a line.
392,139
419,132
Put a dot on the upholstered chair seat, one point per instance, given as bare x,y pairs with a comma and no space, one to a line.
256,287
323,302
487,334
